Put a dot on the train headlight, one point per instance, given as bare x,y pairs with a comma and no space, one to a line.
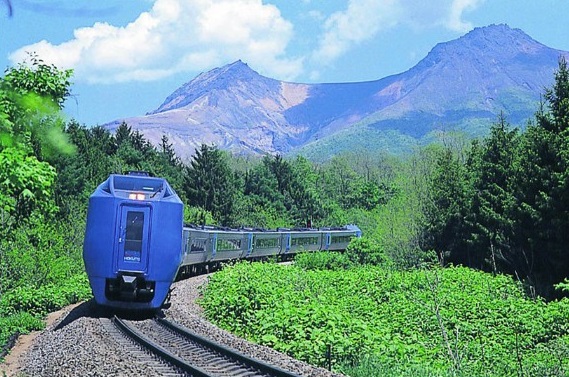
135,196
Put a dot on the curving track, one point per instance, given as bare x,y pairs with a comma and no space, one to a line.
184,352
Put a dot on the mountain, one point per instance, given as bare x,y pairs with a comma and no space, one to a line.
462,85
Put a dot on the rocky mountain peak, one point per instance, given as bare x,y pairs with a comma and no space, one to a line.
494,41
236,71
222,78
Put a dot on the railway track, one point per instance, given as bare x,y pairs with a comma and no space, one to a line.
173,350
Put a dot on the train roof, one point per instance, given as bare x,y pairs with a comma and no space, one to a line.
221,229
137,187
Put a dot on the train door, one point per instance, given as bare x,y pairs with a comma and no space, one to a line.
133,238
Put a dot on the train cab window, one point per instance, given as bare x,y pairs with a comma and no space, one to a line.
134,231
135,187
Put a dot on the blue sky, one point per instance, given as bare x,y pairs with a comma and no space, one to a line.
128,56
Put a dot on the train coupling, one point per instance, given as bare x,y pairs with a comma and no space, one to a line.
129,287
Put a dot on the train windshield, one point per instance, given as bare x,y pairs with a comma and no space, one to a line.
140,184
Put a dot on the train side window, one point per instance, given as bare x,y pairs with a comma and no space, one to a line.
341,239
266,243
303,241
228,244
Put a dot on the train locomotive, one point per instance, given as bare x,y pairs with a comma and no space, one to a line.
136,243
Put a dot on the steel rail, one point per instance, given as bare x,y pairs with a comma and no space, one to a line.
226,351
158,350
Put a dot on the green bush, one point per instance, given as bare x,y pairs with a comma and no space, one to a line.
453,320
39,301
366,251
18,323
40,252
323,261
372,367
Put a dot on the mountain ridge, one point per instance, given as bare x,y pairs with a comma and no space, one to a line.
463,83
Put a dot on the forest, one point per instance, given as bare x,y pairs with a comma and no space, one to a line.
466,237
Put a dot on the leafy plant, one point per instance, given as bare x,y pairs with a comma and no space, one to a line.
39,301
366,251
19,323
452,321
323,261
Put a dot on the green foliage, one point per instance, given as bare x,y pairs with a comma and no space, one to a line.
354,181
323,261
37,77
26,184
41,268
504,208
491,223
31,97
99,153
453,321
40,252
366,251
446,209
281,189
400,222
19,323
369,366
209,183
41,300
198,216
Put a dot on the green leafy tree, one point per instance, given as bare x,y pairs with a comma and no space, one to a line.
31,97
26,184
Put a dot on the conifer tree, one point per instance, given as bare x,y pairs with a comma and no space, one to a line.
543,189
209,183
446,210
491,223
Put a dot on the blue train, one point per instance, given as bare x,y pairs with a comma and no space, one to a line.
136,243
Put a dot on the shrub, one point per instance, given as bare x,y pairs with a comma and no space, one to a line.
453,321
39,301
323,261
40,253
18,323
366,251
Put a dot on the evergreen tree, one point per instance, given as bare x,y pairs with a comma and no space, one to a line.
490,218
445,212
166,150
543,188
209,183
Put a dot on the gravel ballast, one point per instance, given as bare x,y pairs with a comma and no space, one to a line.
79,345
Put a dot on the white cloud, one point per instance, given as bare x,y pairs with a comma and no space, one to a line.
458,7
176,36
363,19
